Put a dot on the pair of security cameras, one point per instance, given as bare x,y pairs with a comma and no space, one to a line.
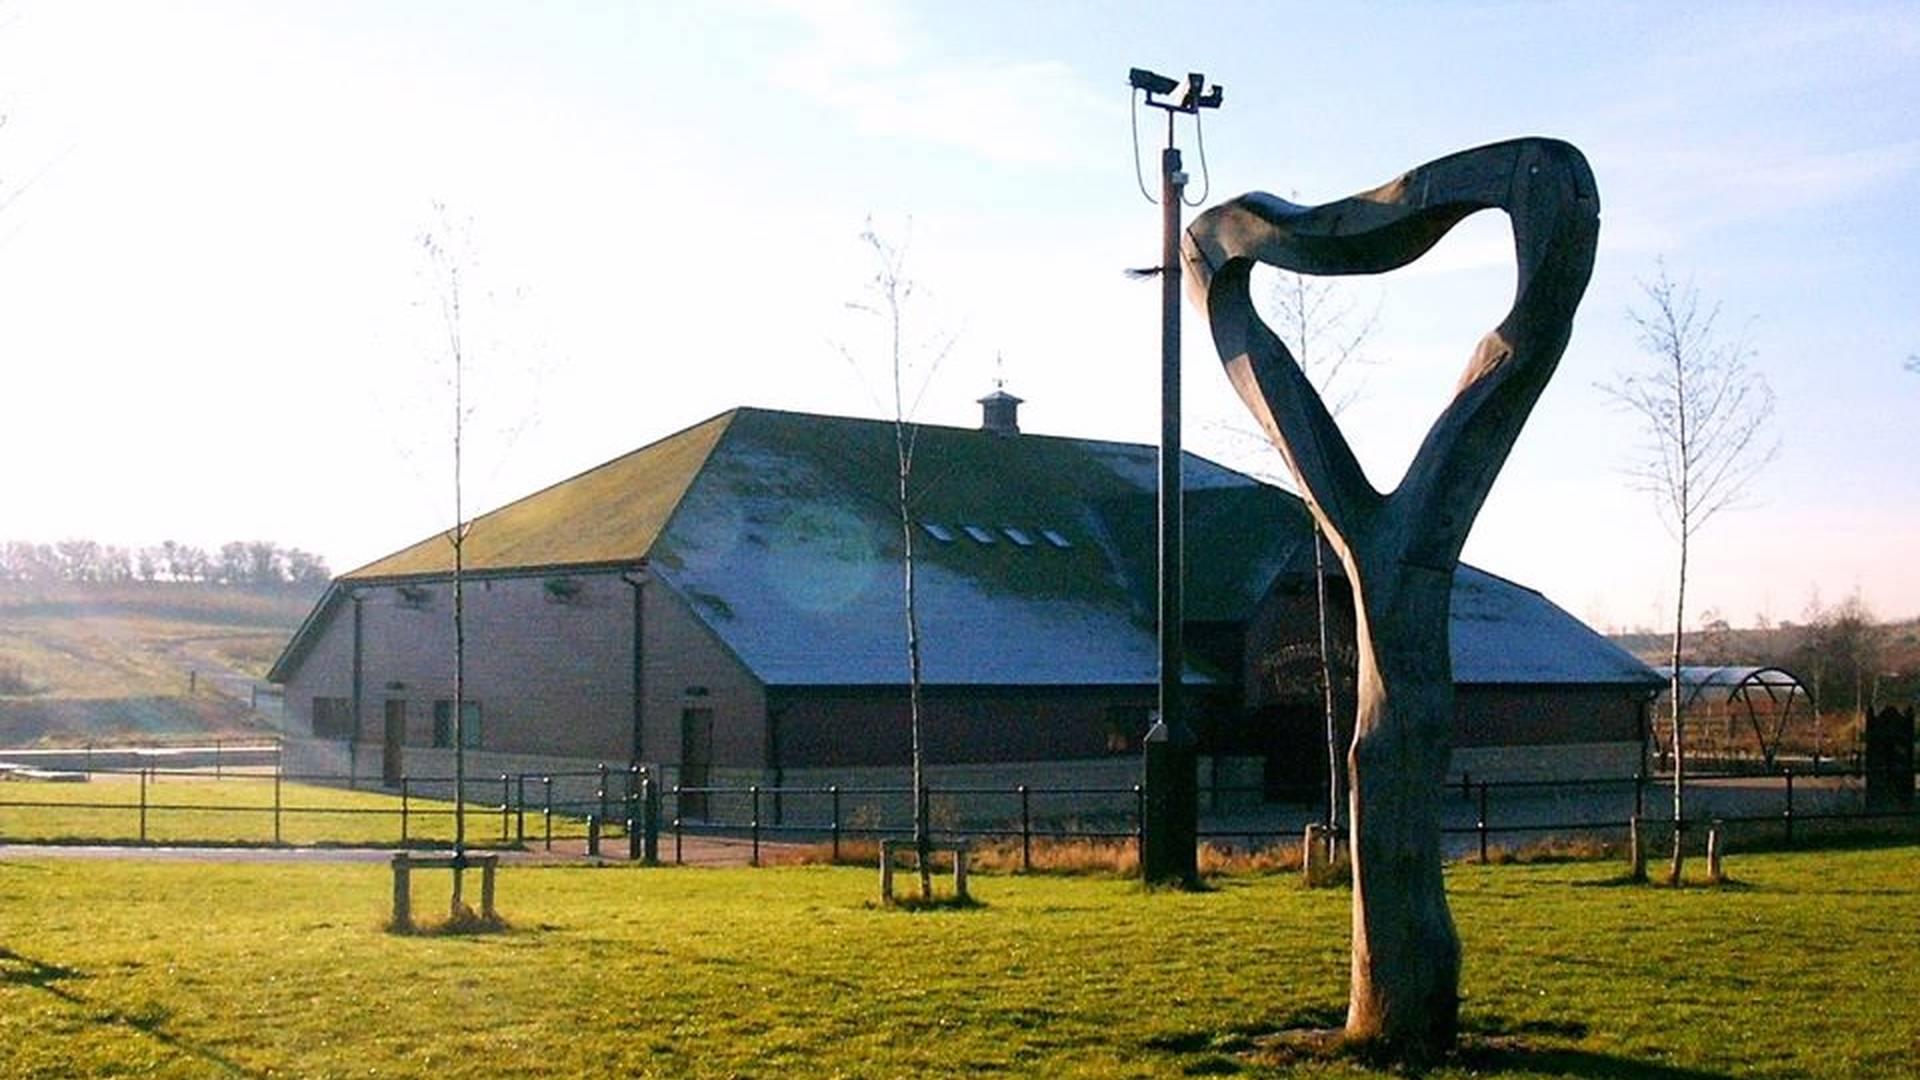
1197,95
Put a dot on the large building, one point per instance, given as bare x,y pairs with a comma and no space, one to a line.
726,604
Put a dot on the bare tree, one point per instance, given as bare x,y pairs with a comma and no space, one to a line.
441,244
1327,333
890,297
1329,338
450,264
1705,418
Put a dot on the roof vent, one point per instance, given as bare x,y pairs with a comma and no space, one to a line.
1000,413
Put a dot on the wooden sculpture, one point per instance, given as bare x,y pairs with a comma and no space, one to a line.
1400,548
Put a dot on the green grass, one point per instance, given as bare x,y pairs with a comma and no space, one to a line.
173,969
192,810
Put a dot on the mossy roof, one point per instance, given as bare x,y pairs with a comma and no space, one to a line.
612,513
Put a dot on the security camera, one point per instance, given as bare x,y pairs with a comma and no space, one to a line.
1142,79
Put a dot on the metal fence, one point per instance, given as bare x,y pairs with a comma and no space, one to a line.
252,801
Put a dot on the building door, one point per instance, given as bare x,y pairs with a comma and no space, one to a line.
396,738
696,760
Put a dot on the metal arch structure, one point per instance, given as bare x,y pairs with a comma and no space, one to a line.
1400,548
1733,689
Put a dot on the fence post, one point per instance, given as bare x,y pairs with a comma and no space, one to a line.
601,792
593,836
405,802
834,791
1140,827
1026,831
650,816
1639,792
546,814
402,892
754,790
676,825
276,806
1481,823
1636,851
634,842
144,770
1789,813
520,809
506,806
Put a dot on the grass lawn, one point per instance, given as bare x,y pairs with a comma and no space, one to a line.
192,810
1804,969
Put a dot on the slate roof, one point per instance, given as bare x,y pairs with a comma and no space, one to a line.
781,532
1503,633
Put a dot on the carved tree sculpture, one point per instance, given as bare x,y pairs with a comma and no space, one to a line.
1400,549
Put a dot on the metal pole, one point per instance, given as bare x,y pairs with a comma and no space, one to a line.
1026,831
1481,821
1789,806
276,805
834,790
1171,823
404,800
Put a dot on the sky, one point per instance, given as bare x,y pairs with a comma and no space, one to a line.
217,320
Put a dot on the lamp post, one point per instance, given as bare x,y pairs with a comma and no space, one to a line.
1170,825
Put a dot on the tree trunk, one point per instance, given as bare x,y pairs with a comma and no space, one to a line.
1326,681
1405,990
1675,866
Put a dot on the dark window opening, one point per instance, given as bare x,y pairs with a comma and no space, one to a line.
332,718
443,723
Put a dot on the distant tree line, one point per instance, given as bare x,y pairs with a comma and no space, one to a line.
240,563
1849,659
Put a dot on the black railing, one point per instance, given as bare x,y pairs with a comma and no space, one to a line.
607,803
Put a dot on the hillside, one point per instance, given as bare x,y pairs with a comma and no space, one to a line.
1887,655
137,661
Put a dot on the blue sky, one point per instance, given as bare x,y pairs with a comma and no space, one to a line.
213,291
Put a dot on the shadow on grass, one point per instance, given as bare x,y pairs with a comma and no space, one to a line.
1627,881
149,1019
915,904
1488,1045
463,923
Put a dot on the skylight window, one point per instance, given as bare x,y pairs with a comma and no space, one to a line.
1056,539
938,532
1018,536
979,533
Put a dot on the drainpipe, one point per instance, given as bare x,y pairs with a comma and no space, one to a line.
638,582
353,743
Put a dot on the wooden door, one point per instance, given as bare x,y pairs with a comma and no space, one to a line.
390,760
696,760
